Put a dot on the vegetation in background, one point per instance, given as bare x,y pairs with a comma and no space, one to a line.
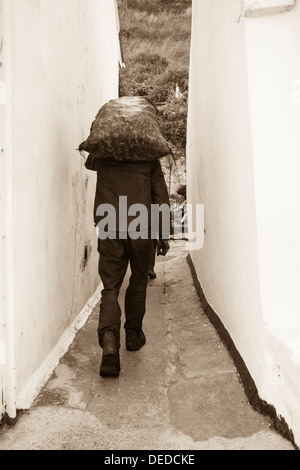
155,41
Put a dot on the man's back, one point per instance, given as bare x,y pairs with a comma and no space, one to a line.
140,182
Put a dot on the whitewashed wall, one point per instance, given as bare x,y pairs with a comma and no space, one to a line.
243,164
64,66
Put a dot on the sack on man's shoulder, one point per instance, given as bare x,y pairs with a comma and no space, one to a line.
127,129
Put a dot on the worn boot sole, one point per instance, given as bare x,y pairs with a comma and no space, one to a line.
110,366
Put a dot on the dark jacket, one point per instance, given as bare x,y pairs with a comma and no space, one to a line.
142,183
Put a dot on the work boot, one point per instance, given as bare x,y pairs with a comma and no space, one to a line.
110,364
135,339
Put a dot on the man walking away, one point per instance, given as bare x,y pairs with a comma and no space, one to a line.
141,182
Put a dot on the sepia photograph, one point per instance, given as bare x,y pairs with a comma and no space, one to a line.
149,228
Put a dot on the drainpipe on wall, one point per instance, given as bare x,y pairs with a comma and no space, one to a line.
9,382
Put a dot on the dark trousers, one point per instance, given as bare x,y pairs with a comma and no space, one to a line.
114,256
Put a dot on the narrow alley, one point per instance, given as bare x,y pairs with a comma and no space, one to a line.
181,391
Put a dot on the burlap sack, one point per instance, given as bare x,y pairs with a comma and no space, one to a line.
126,129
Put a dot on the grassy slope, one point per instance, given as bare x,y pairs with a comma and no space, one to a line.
155,42
155,39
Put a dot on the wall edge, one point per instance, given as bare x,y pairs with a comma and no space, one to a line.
43,373
246,379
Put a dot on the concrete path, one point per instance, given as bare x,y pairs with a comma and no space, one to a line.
181,391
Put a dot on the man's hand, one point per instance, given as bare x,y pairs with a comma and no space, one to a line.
163,247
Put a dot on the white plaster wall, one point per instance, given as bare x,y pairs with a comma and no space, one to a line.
65,66
274,74
243,164
220,174
273,52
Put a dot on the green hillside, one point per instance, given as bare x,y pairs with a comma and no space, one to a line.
155,41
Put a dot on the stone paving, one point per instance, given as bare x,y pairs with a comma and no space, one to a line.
181,391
